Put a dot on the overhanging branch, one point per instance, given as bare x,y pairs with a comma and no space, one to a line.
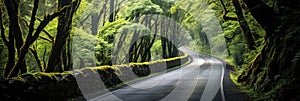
44,23
51,38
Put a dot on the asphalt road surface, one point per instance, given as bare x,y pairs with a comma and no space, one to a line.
202,80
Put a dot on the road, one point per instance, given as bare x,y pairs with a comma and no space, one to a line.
202,80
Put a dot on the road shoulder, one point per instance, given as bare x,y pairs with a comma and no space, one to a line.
232,92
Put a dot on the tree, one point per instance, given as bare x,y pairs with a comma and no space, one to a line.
15,35
275,69
60,56
111,11
248,36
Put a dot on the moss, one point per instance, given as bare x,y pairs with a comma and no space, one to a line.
41,75
63,85
18,79
234,78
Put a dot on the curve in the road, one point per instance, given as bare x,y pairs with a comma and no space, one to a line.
199,80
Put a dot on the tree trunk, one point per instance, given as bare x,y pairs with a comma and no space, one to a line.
55,63
95,23
133,50
248,36
111,10
275,63
31,37
104,13
15,36
264,15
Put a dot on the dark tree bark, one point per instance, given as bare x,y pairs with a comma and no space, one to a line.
38,61
280,54
10,46
264,15
56,58
168,47
163,39
13,67
248,36
15,33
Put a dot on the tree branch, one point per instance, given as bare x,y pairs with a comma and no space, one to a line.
49,35
44,23
44,57
51,38
3,30
31,25
269,21
84,19
34,53
46,39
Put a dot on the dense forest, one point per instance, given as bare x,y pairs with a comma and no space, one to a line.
258,38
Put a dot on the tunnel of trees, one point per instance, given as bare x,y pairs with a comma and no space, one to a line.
54,36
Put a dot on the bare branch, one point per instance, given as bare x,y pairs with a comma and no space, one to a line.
46,39
49,35
77,4
25,21
39,19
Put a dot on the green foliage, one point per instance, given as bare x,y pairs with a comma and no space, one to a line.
103,52
142,7
110,29
156,51
105,41
83,48
121,47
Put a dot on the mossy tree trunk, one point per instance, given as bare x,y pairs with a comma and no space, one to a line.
279,57
58,61
248,36
15,36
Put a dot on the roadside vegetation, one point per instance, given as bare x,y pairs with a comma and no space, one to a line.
260,38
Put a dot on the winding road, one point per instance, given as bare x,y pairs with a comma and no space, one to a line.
202,79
